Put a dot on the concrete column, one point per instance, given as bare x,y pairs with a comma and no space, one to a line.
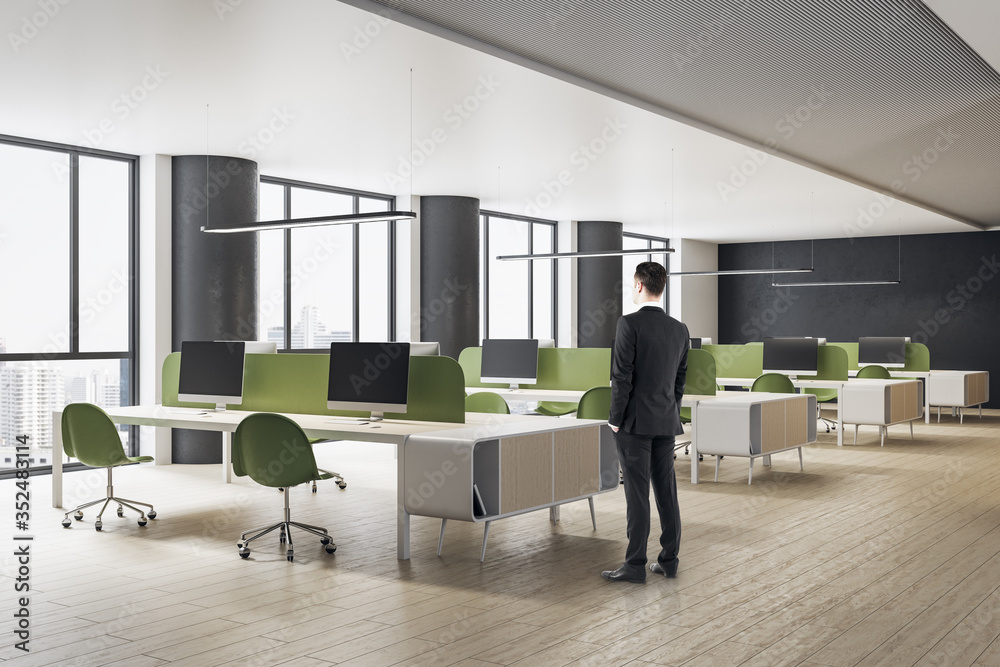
449,272
214,284
599,288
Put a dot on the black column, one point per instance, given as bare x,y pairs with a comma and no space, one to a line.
449,272
599,283
214,275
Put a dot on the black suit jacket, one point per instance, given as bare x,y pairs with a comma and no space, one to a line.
648,371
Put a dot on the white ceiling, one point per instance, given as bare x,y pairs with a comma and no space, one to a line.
234,70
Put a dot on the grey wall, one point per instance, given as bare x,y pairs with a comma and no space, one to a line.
214,276
949,297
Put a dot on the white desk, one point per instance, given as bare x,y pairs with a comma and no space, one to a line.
478,426
923,375
558,395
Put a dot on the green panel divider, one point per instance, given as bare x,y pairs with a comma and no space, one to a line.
852,354
567,368
700,373
918,358
737,361
297,383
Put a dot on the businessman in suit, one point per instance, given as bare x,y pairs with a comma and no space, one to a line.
648,369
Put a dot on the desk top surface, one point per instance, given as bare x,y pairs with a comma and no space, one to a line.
478,425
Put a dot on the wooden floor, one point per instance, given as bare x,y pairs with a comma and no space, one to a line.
872,556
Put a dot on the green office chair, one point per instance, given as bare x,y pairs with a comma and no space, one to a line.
831,363
273,450
90,437
486,401
773,383
875,371
595,404
553,409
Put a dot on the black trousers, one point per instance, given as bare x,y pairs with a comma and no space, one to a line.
645,460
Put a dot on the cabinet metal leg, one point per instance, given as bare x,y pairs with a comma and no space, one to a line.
593,514
554,514
800,460
750,478
444,524
486,536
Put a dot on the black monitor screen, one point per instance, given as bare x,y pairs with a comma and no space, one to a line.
882,350
695,343
211,369
790,354
509,360
368,376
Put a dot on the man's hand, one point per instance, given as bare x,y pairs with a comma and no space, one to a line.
614,429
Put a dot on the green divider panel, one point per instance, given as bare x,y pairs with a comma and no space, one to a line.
568,368
436,393
737,361
852,354
170,380
471,361
918,358
297,383
700,373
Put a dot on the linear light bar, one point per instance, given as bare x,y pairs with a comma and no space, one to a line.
586,253
838,283
295,223
738,272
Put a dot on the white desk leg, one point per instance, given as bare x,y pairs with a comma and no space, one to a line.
227,457
694,443
927,401
402,516
840,421
57,457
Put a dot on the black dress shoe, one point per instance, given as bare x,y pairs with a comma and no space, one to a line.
626,573
670,572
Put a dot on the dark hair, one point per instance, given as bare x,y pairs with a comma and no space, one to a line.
653,276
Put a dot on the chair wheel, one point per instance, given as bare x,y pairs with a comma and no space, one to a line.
281,488
290,555
330,548
324,540
244,553
342,485
78,516
142,522
151,514
98,526
121,512
66,522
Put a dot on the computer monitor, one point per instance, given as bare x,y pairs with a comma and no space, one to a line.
256,346
369,376
888,351
425,349
696,343
211,372
510,360
790,356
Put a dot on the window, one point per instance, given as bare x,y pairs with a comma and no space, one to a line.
312,288
68,220
518,299
629,262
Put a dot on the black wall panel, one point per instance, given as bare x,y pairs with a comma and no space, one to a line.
948,297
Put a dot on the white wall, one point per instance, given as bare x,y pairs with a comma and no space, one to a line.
694,300
154,293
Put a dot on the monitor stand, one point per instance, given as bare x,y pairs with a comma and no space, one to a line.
377,416
513,387
220,407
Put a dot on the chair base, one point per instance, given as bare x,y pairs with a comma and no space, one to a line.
286,534
107,500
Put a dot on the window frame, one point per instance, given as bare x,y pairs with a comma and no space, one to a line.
74,354
288,185
485,217
649,239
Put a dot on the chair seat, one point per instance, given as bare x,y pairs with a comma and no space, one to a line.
555,409
140,459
